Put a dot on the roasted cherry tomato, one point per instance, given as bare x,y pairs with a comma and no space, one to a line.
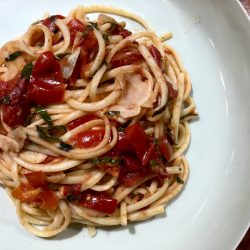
99,201
36,179
79,121
166,148
125,57
47,200
91,138
46,82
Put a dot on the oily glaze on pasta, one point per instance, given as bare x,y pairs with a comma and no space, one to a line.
94,122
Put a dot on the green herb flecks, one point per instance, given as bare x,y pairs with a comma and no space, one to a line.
13,56
27,70
179,180
106,38
65,146
153,163
5,100
48,134
94,24
121,129
60,56
86,31
108,160
113,26
112,113
43,113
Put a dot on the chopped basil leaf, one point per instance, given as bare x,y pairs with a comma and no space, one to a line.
179,180
110,160
29,119
153,163
44,133
42,112
94,25
27,69
113,26
112,113
72,197
87,30
156,141
121,129
5,100
160,110
106,38
13,56
61,56
65,146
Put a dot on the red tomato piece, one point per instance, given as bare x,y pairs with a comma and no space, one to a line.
6,87
75,26
46,81
38,90
172,93
74,189
47,200
156,54
122,145
26,193
135,134
130,178
47,67
165,147
131,163
36,179
79,121
14,115
98,201
112,170
125,33
125,57
91,138
50,22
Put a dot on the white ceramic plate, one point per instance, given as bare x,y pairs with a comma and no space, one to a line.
213,212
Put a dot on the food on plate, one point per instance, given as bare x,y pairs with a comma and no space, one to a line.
94,122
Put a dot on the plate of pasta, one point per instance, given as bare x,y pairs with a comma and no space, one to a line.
120,125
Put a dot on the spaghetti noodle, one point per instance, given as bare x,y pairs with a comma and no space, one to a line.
94,122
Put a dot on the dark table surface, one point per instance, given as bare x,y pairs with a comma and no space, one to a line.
245,243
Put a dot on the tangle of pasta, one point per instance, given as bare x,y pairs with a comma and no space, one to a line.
94,122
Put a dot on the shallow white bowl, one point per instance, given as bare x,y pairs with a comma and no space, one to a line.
213,212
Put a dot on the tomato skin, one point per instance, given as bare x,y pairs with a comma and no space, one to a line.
46,81
166,148
91,138
75,26
36,179
79,121
135,134
25,192
126,56
50,22
172,93
47,200
156,54
38,90
98,201
122,145
47,67
131,163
